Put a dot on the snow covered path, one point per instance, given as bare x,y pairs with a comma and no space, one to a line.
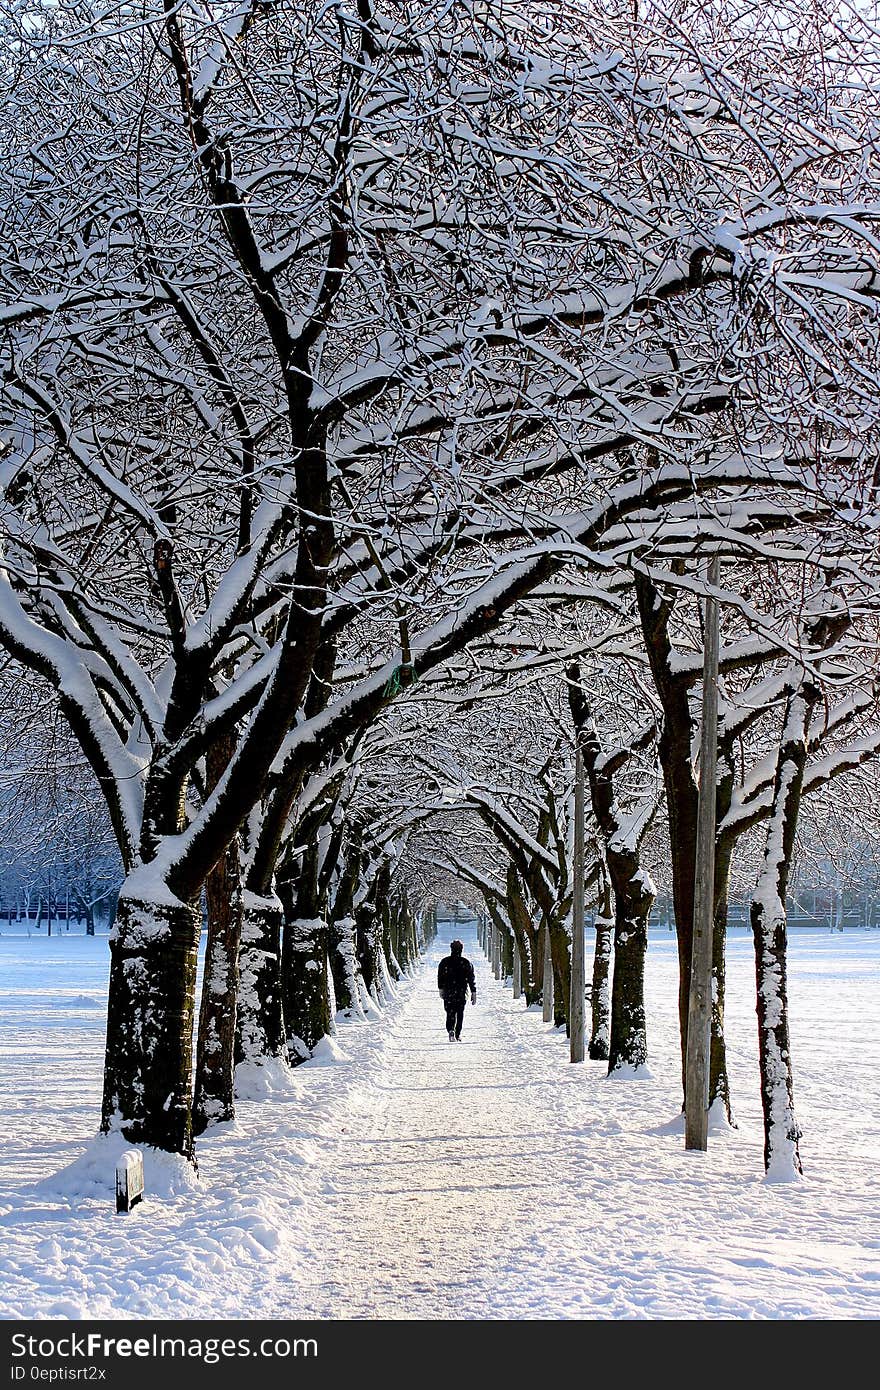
489,1179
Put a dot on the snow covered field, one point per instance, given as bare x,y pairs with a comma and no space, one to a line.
419,1179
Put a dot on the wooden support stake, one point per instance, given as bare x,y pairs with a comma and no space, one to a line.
129,1179
700,993
547,1013
576,1002
517,972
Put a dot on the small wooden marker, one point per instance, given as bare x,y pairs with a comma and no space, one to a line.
129,1179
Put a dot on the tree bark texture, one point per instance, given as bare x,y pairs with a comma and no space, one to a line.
306,995
782,1158
633,899
214,1098
342,935
151,1007
560,952
600,994
260,1030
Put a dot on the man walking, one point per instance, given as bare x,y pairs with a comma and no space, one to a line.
455,975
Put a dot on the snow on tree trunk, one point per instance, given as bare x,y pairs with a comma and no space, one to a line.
400,938
306,996
507,956
634,895
260,1032
345,967
392,964
782,1159
385,979
600,995
214,1100
150,1013
365,925
719,1083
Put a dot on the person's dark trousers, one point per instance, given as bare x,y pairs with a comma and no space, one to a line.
454,1014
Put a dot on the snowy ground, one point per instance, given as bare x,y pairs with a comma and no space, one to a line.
421,1179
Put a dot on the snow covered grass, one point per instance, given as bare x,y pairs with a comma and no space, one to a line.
414,1178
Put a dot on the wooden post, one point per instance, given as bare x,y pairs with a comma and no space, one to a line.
129,1179
517,972
576,1002
547,1013
496,954
700,993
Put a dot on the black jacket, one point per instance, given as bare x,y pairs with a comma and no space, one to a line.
455,976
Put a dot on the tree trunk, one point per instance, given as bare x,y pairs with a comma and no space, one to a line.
560,951
151,1004
386,966
632,890
306,995
529,940
674,751
365,938
260,1034
507,956
214,1101
342,934
719,1083
633,898
782,1159
600,1034
345,968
